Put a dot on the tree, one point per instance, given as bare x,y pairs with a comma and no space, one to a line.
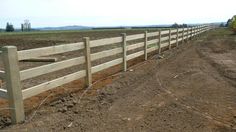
185,25
9,27
222,25
26,26
175,25
228,23
233,24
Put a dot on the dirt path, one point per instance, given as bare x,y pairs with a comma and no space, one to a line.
188,90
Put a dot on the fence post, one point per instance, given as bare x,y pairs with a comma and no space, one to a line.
169,39
191,33
198,30
159,43
177,37
13,83
183,36
187,34
87,61
145,45
124,51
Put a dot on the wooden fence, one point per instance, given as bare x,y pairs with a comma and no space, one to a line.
13,77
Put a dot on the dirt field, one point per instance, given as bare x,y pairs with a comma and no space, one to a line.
192,88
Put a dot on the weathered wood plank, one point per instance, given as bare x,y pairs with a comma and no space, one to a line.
177,37
2,74
173,42
135,46
164,44
124,51
181,30
134,55
159,43
41,70
134,37
3,94
163,32
173,36
106,65
152,49
152,41
169,39
13,84
145,45
45,51
29,92
165,38
106,53
106,41
151,34
173,30
87,61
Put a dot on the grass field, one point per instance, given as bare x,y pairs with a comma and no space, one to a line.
28,40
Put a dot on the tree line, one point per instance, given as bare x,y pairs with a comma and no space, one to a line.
231,23
26,26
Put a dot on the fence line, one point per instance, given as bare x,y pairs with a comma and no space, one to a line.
13,76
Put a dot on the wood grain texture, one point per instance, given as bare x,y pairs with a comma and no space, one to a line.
29,92
13,83
41,70
3,94
106,41
106,53
106,65
38,52
134,55
134,37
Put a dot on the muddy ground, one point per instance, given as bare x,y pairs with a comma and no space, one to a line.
192,88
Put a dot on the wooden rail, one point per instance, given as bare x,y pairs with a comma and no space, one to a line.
144,43
2,74
33,53
45,69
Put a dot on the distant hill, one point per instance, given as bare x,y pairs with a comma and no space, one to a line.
75,27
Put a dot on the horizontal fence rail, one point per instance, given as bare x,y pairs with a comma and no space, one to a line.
145,43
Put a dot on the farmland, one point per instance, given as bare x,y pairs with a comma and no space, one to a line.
28,40
192,88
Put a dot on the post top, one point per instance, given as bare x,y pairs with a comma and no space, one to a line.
6,48
85,37
9,47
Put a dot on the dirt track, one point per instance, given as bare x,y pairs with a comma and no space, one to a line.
191,89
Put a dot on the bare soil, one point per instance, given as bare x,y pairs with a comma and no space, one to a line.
192,88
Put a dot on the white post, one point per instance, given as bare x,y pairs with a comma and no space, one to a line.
169,39
187,34
13,83
145,45
87,61
124,51
177,38
159,43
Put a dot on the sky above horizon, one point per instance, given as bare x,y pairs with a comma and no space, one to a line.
53,13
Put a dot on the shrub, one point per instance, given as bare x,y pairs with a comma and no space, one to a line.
9,27
232,24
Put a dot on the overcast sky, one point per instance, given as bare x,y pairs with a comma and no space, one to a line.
43,13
